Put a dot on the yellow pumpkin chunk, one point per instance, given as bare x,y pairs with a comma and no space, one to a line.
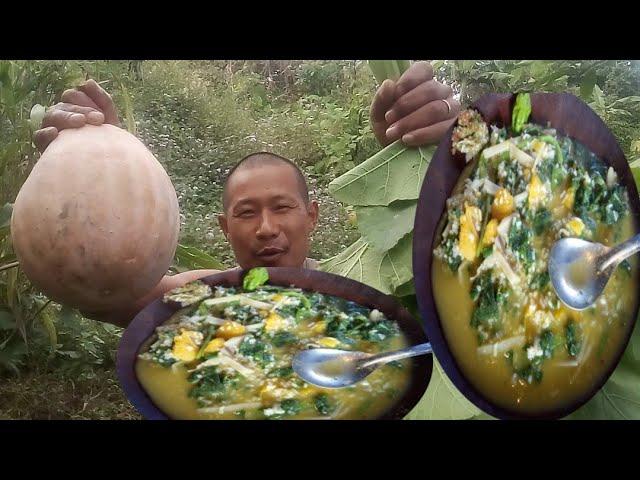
214,345
186,345
320,327
575,226
274,322
230,329
490,232
536,191
329,342
503,204
537,145
468,235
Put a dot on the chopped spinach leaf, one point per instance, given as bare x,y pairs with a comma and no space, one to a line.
572,336
282,338
256,349
323,404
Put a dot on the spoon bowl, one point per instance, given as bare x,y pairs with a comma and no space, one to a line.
333,368
330,368
574,274
580,270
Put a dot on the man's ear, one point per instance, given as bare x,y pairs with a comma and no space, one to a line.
313,211
222,221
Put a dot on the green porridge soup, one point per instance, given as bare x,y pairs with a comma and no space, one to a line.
228,356
510,334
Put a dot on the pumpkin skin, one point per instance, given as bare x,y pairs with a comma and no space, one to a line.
95,226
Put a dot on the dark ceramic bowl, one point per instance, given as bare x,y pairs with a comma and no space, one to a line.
571,117
143,326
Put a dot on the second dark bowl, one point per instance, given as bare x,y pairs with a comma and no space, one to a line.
144,324
571,117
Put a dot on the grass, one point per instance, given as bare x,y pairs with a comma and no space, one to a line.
42,395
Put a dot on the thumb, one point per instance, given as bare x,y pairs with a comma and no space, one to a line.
43,137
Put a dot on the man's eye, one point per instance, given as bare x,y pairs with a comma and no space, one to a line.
281,208
246,213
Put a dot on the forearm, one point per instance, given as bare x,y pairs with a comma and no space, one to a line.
124,315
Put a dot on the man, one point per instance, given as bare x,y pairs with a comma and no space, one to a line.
268,216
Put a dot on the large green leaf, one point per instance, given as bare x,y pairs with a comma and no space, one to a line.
482,416
405,289
346,261
619,398
191,258
410,303
381,270
394,173
383,227
442,400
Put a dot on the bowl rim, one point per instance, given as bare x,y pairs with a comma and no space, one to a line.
496,106
157,312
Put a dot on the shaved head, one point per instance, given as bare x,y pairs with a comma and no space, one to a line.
262,159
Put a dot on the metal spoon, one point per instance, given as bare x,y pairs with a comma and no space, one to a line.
579,270
332,368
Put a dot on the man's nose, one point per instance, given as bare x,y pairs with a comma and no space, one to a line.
267,228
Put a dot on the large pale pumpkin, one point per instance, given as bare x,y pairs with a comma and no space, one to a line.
96,224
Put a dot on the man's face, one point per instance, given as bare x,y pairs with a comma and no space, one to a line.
267,221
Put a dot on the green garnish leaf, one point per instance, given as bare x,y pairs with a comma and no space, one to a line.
255,278
521,112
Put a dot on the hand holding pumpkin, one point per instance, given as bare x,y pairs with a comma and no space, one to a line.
95,226
416,108
89,104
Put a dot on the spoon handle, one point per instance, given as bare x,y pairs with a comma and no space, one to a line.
619,253
387,357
